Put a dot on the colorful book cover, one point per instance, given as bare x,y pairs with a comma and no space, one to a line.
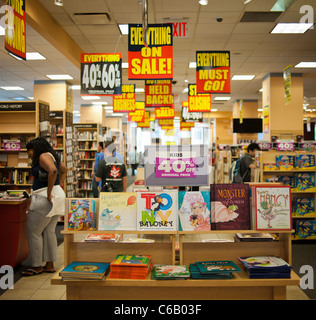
157,211
304,207
272,208
265,264
196,274
130,260
230,207
194,211
305,229
81,214
305,161
85,268
288,181
117,211
254,237
165,272
285,162
207,267
305,181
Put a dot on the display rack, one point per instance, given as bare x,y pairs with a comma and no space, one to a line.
88,140
269,157
21,122
240,287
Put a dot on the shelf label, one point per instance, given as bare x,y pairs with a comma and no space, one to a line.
285,146
265,145
175,167
12,145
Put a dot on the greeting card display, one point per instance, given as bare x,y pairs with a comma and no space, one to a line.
194,211
271,208
117,211
230,207
157,211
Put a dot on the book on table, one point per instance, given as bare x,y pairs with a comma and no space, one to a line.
170,272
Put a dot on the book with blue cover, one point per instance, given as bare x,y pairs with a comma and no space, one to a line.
85,270
196,274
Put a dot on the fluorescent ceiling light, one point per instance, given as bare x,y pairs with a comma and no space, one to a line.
12,88
14,56
289,28
31,98
76,87
203,2
222,98
243,77
213,110
59,76
99,103
76,111
139,90
2,31
260,110
90,97
19,98
123,28
108,108
185,90
192,65
114,114
59,3
306,65
124,65
34,56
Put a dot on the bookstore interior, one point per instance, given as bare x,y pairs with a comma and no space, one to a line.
209,105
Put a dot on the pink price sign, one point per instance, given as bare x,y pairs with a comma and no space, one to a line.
12,145
175,167
285,146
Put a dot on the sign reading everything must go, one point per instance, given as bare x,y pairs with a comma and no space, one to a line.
156,60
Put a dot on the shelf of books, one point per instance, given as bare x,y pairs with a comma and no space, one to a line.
297,170
190,235
88,140
20,122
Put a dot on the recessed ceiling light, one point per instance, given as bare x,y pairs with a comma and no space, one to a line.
76,87
2,31
123,28
139,90
192,65
90,97
34,56
59,3
12,88
222,98
306,65
243,77
124,65
186,80
59,76
203,2
185,90
290,28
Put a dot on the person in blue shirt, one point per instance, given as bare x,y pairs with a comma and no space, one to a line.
98,158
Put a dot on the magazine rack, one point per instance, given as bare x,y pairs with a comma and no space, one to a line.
240,287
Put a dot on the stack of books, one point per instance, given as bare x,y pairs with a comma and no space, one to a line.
126,266
103,237
266,267
80,270
170,272
253,237
213,269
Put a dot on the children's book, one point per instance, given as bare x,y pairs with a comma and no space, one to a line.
170,272
81,214
196,274
130,260
230,207
157,211
207,267
117,211
271,208
285,162
85,270
104,237
305,229
305,161
254,237
305,181
194,211
304,207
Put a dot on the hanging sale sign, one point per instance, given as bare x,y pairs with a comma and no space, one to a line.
127,101
166,122
158,93
164,113
154,61
146,122
139,114
198,102
101,74
213,71
15,37
187,116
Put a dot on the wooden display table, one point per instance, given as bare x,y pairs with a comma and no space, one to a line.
13,239
240,287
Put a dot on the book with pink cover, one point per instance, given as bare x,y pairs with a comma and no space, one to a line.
230,208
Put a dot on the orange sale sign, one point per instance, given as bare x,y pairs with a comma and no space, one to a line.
198,102
158,93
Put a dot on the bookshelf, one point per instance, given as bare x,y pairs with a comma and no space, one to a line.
288,177
88,141
20,122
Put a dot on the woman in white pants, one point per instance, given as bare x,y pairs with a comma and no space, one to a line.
47,204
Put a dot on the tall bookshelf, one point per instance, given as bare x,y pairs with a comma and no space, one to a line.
88,140
20,122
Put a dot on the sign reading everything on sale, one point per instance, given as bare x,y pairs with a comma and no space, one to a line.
154,61
213,71
101,74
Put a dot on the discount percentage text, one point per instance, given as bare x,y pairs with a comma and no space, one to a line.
176,168
101,74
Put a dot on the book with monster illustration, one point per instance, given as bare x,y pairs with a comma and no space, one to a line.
271,209
157,211
81,214
117,211
230,207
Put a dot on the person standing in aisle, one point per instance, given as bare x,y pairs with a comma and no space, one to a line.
111,170
98,158
134,160
47,204
247,162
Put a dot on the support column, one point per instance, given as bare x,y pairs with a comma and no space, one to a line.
249,110
281,120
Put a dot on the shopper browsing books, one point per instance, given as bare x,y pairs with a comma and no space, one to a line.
47,203
111,171
247,163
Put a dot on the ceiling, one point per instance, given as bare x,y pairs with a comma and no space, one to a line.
253,49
